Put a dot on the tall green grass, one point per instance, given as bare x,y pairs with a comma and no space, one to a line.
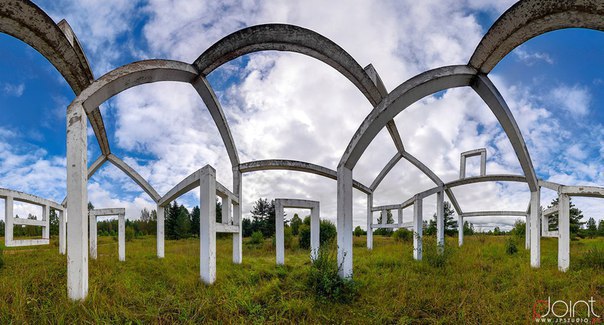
476,283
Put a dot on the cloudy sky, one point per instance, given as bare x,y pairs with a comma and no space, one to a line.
289,106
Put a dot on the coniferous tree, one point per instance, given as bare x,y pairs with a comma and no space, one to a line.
575,217
263,217
384,231
592,228
450,222
53,220
195,221
601,228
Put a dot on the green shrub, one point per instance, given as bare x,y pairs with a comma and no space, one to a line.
403,234
511,247
358,232
257,238
129,234
435,256
593,258
325,282
327,234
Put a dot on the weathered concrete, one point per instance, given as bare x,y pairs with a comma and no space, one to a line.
136,177
280,205
460,230
440,221
535,216
564,232
369,221
482,152
207,226
62,232
418,224
300,166
344,221
160,232
237,216
121,232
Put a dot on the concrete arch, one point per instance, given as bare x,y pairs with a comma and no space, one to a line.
58,44
136,177
149,71
281,164
290,38
428,83
530,18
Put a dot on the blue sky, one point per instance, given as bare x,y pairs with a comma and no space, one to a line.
290,106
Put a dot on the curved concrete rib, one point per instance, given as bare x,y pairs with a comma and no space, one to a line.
420,165
428,83
529,18
282,164
494,214
380,177
149,71
283,37
487,178
29,198
136,177
58,44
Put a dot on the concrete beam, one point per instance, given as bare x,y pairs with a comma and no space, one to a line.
584,191
530,18
494,214
300,166
136,177
29,198
487,178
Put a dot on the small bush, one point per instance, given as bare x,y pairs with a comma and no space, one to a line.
434,255
511,247
324,281
327,234
403,234
257,238
593,258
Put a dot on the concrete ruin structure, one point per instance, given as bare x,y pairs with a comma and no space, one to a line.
121,230
523,21
313,206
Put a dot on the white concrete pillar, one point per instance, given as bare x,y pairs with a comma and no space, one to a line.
226,209
563,232
384,215
344,221
418,224
77,203
315,228
460,230
279,234
527,232
237,215
161,212
400,216
93,236
462,167
46,218
8,220
207,225
535,228
369,221
62,232
440,221
121,234
483,163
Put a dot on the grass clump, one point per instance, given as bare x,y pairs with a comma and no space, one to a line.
257,238
592,258
436,256
403,234
324,281
511,247
1,256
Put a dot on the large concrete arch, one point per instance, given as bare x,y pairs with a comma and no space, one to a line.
150,71
58,44
300,166
284,37
530,18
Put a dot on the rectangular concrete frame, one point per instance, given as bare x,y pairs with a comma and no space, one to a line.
280,205
472,153
121,232
11,221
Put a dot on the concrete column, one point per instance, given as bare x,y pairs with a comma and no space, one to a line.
384,215
237,215
440,221
418,223
46,218
93,236
527,232
369,221
279,234
315,228
400,216
545,224
460,229
462,167
121,234
483,163
62,232
535,227
207,225
8,220
563,232
161,211
77,203
226,210
344,221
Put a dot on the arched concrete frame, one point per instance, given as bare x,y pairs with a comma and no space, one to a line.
58,44
110,84
300,166
530,18
400,98
290,38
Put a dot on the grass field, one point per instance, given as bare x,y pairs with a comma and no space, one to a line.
479,283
